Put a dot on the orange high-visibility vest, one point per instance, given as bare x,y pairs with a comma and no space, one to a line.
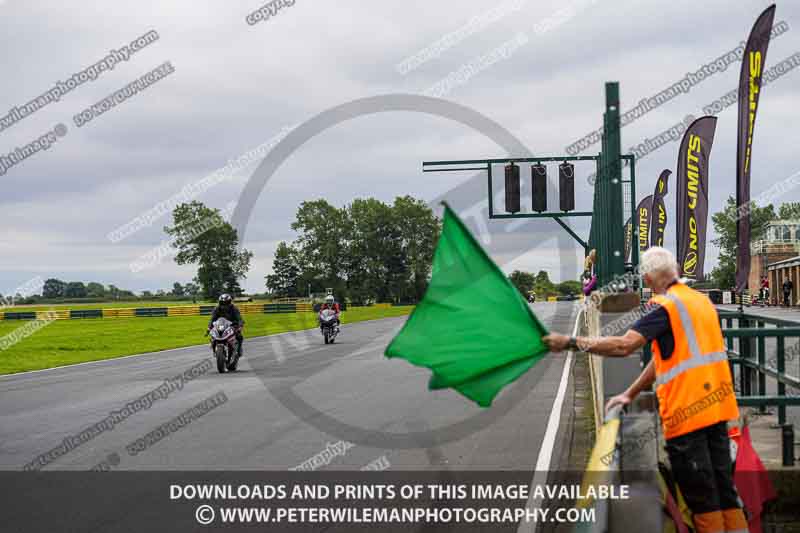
694,386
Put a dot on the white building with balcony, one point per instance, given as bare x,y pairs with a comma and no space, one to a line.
774,255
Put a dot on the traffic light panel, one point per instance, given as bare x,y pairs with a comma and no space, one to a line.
566,186
512,188
539,187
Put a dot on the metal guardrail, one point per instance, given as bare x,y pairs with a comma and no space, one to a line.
753,332
625,452
607,459
166,311
602,469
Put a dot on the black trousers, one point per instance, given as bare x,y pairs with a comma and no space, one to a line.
702,468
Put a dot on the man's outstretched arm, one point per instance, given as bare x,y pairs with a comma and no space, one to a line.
618,346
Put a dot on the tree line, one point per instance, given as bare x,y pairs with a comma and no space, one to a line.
540,283
215,251
365,251
55,290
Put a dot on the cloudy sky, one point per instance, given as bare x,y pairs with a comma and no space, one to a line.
537,74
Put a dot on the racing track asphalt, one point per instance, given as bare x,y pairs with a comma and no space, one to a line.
350,381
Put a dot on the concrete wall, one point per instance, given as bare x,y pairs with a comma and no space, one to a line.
591,328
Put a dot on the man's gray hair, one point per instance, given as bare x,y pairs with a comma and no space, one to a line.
656,260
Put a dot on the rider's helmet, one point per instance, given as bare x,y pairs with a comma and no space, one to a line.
329,299
225,300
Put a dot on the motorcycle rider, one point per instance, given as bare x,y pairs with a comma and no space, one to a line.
331,303
226,309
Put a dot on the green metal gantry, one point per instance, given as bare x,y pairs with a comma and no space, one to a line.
607,228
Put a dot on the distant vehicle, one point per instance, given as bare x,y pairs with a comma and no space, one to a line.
223,344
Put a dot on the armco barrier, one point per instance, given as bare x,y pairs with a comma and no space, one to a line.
86,313
251,308
181,310
151,311
279,308
61,314
19,315
35,315
189,310
119,313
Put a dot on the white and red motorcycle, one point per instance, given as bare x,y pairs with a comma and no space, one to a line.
329,325
224,345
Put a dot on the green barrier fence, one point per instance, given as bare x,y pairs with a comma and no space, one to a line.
280,308
747,348
196,310
85,313
24,315
151,311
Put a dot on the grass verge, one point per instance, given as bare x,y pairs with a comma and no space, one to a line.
66,342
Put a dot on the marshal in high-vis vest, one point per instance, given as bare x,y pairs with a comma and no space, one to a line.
693,384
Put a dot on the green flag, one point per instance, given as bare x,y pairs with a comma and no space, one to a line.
472,327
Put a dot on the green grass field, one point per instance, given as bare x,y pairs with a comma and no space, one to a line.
65,342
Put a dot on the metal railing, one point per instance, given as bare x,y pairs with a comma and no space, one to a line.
747,347
775,246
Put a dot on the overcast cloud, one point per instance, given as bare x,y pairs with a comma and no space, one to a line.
236,86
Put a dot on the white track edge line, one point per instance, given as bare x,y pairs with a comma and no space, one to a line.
549,439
